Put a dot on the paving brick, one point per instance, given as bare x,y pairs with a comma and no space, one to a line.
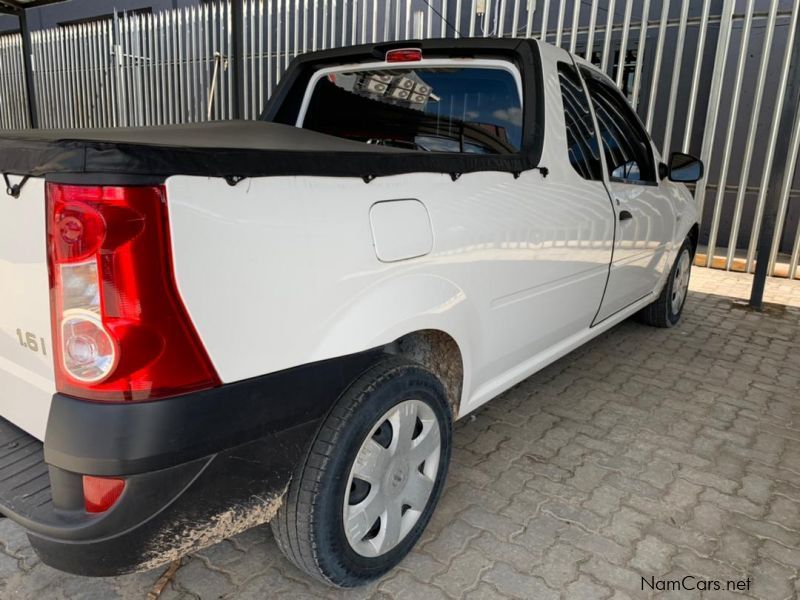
586,589
560,565
653,556
463,573
512,584
613,576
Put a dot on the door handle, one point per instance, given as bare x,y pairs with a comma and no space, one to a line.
625,215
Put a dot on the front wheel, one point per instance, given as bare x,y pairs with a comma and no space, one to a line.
369,485
667,309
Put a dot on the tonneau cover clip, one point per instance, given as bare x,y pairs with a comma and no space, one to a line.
14,190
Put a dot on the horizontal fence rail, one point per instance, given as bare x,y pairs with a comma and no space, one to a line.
706,76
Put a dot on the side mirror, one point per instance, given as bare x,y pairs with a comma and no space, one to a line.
685,168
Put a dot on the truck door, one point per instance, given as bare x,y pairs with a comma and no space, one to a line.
645,216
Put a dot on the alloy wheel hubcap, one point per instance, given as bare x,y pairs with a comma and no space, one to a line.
392,478
680,283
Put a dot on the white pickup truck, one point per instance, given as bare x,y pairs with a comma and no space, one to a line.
208,327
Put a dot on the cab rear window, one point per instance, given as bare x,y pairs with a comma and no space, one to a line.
473,110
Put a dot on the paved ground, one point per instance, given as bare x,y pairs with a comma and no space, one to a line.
648,453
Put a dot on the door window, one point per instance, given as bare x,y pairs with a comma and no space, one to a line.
581,137
626,145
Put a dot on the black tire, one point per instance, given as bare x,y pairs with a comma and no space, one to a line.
662,312
309,527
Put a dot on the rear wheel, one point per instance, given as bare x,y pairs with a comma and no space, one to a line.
372,478
667,309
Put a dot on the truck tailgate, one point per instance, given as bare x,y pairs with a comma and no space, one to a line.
27,380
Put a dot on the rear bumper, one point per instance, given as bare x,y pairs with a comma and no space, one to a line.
198,468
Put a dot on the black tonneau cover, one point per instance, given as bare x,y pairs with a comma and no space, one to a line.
222,149
272,146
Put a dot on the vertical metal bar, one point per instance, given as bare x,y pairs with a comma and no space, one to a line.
419,24
45,56
772,141
784,203
169,66
795,255
253,58
374,21
562,6
623,45
501,20
662,28
232,97
472,17
334,24
40,68
261,82
345,29
545,19
607,38
387,10
515,19
148,48
324,24
751,135
354,23
790,115
287,35
242,34
315,26
85,72
592,29
637,76
217,56
429,20
364,17
27,53
573,36
529,23
715,96
675,78
296,32
97,101
7,82
78,114
182,80
443,24
305,26
698,64
729,135
197,83
270,80
237,58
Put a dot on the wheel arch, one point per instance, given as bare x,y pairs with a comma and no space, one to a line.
439,352
694,237
424,317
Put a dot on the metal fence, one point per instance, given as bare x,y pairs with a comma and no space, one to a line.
13,104
706,76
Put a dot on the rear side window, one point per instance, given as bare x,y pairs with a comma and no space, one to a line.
584,154
627,148
469,110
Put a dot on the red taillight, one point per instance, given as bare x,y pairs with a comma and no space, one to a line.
120,330
101,493
404,55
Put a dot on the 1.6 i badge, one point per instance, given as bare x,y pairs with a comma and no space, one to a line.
31,341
